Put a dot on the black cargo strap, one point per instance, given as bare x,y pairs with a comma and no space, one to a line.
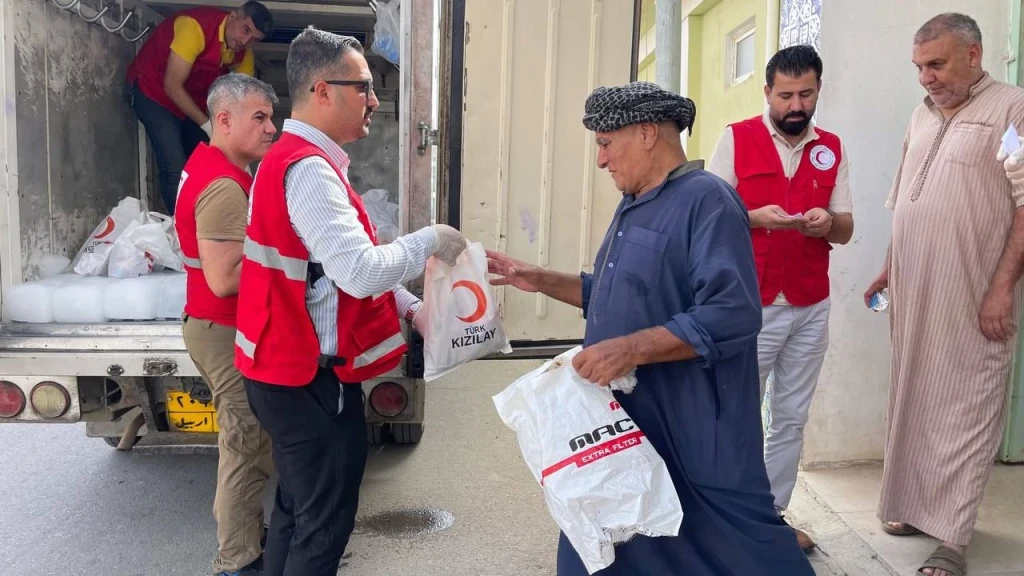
314,272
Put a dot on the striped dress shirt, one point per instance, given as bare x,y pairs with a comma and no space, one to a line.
328,225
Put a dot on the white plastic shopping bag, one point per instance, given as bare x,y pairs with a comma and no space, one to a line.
387,32
603,482
462,320
383,213
92,258
148,243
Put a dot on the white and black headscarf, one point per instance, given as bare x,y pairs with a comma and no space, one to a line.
609,109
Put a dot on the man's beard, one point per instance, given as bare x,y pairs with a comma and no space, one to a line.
793,123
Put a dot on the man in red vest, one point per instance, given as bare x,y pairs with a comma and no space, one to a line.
320,304
172,74
794,179
214,201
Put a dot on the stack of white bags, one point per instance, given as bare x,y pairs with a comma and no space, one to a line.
130,268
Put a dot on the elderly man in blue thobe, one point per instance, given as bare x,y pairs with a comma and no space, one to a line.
674,294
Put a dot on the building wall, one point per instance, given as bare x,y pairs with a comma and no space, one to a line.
708,26
869,91
646,68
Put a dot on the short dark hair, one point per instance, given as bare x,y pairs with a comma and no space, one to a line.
793,61
312,54
261,17
961,25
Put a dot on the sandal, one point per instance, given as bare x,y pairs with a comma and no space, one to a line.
906,530
945,559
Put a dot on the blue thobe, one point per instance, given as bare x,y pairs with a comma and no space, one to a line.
680,256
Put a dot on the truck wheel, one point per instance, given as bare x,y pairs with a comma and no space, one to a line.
407,433
113,441
375,433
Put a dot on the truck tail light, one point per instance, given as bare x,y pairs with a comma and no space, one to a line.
388,399
12,400
50,400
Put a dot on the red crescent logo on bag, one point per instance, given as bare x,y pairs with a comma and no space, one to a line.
481,300
110,228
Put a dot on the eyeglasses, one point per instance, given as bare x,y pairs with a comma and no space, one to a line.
367,85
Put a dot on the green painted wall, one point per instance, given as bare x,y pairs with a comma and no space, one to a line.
718,105
645,70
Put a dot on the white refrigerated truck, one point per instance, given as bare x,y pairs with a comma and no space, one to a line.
479,127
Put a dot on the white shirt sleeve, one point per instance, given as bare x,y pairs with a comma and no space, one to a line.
329,227
842,199
723,159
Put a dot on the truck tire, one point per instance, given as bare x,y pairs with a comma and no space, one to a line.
375,433
407,433
113,441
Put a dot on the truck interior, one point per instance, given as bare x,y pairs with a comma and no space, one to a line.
375,159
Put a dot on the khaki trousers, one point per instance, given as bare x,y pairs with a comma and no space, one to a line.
245,462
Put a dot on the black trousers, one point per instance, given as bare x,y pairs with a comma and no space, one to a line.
320,456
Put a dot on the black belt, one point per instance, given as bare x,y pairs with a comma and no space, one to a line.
325,361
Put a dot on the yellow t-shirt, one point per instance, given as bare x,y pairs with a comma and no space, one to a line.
189,42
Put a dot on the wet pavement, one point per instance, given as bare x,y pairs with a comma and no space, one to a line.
412,522
461,503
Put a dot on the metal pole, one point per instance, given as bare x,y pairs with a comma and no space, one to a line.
667,48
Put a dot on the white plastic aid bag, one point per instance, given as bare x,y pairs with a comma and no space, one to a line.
92,258
383,213
387,34
147,244
603,481
462,320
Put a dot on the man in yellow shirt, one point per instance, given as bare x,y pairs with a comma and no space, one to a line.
172,74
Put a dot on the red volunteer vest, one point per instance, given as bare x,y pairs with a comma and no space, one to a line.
204,166
276,342
150,64
787,261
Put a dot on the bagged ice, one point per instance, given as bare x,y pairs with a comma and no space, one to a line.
132,298
33,301
172,296
81,301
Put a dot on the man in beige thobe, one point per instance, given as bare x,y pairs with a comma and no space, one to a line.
956,256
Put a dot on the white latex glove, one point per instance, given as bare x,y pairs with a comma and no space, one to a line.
450,245
208,128
1014,167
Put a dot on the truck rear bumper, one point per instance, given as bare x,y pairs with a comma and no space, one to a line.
149,358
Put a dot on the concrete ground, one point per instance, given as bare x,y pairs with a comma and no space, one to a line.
462,503
997,548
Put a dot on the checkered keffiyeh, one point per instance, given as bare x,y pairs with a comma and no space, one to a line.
609,109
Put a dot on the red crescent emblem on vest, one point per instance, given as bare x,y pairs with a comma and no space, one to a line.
481,300
109,228
822,157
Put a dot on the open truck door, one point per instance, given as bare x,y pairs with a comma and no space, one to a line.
521,172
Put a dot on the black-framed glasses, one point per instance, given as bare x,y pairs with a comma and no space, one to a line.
367,85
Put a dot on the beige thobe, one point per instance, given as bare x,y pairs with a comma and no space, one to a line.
953,210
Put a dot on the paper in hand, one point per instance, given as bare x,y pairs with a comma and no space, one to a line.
1011,140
